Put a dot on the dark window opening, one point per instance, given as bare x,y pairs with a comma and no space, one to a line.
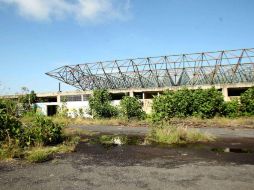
150,95
138,95
47,99
236,91
51,110
86,97
70,98
117,96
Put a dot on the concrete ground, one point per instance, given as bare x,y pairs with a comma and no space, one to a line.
96,167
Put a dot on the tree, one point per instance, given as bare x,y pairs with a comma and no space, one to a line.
247,101
131,107
100,106
27,100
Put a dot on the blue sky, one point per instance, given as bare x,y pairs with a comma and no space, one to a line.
37,36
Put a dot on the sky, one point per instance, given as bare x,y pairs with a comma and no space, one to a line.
37,36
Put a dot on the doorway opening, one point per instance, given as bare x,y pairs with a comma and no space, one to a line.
51,110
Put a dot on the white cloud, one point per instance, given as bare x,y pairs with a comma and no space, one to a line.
81,10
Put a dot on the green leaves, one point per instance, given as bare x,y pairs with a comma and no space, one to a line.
41,130
131,107
9,126
183,103
100,105
247,102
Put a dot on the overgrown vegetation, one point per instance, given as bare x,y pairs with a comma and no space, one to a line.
221,122
232,108
21,134
37,138
247,102
41,154
203,103
169,134
131,107
41,130
100,105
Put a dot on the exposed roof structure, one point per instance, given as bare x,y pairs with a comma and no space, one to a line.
220,67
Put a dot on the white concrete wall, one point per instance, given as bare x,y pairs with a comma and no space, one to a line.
75,106
42,107
71,106
115,102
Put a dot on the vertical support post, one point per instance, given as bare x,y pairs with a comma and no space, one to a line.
59,87
58,98
131,94
225,94
143,96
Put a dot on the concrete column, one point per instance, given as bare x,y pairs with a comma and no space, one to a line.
58,98
225,94
131,94
143,95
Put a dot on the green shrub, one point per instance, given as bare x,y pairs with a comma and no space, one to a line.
62,111
41,130
9,106
247,102
207,103
11,149
9,126
163,106
131,107
27,100
232,108
183,103
100,106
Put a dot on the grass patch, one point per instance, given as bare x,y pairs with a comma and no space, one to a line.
9,150
222,122
101,122
71,132
177,135
42,154
37,154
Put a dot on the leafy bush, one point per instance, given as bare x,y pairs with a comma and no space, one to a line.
9,126
41,130
9,106
27,101
62,111
182,103
131,107
207,103
232,108
163,106
100,106
247,102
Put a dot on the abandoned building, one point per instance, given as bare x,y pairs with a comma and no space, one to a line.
230,71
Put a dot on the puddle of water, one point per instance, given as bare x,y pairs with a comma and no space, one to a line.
232,150
112,141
